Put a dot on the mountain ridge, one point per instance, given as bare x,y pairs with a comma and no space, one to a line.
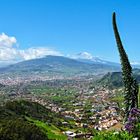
57,65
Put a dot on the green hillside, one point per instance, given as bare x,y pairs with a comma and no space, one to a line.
114,79
23,120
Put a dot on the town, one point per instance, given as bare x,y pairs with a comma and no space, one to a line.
81,104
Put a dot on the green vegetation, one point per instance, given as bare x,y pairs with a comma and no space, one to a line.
19,129
111,80
26,108
114,80
51,131
111,135
118,98
23,120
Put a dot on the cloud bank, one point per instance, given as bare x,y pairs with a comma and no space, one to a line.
33,53
9,52
7,41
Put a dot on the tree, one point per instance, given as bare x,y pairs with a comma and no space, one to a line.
130,84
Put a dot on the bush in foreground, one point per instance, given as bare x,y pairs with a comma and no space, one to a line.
110,135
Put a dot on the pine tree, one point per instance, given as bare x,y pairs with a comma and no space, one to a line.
130,84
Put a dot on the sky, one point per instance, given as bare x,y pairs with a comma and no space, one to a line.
34,28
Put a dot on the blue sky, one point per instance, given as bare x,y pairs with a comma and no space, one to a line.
68,27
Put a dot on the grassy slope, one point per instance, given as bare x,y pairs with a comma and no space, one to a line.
51,131
31,114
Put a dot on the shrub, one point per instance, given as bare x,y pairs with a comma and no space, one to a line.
111,135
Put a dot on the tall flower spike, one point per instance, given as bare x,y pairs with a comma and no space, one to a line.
130,85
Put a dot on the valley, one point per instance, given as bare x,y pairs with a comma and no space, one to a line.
73,106
82,105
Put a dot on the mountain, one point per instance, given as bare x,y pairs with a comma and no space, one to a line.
88,58
56,65
96,60
114,79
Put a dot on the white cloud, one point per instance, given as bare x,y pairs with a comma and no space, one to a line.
7,54
7,50
32,53
11,54
83,55
135,63
7,41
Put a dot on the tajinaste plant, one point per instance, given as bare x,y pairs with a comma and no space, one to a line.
131,88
